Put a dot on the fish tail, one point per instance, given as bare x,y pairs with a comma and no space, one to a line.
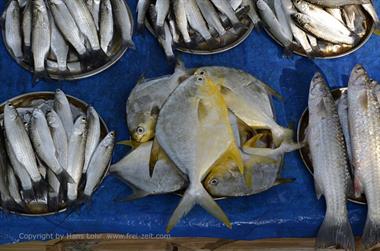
196,194
129,44
282,135
40,187
28,195
371,233
335,232
40,75
11,205
64,177
53,202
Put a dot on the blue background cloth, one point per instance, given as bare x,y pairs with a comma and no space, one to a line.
290,210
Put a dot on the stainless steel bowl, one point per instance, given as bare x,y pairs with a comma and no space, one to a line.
117,50
305,152
37,208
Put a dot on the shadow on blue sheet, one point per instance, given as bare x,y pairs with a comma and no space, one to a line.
285,211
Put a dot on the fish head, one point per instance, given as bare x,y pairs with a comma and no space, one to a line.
302,19
301,5
10,111
109,140
212,75
60,96
144,131
52,119
359,78
38,113
319,90
261,5
80,125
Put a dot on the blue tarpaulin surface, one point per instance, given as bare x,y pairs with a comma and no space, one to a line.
290,210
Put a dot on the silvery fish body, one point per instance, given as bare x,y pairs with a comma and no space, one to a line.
59,47
63,109
329,158
123,20
93,135
196,20
181,19
343,116
13,29
355,19
211,16
337,3
6,199
225,7
106,25
14,189
142,9
162,10
27,25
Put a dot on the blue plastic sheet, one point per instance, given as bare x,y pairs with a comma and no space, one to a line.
290,210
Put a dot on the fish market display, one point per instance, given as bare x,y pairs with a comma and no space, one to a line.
197,26
61,39
318,28
343,136
45,143
191,135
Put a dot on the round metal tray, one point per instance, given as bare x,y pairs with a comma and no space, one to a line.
117,50
35,207
231,40
305,151
344,51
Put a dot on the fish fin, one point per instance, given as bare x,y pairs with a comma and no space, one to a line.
235,154
358,188
285,147
281,181
141,80
40,187
154,153
248,172
273,92
252,142
197,195
64,177
38,76
126,143
371,233
336,232
179,66
53,203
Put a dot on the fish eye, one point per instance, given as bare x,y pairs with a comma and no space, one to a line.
214,182
200,79
202,73
140,130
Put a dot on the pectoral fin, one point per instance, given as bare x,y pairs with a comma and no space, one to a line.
154,156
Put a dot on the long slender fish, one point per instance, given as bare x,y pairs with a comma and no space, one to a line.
98,163
142,9
106,25
162,10
123,20
196,20
63,109
211,16
55,193
93,136
6,199
59,46
364,122
14,189
283,18
13,36
343,116
336,3
181,19
27,28
225,7
331,174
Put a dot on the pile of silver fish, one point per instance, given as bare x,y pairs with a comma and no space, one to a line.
204,133
62,36
52,155
317,28
340,135
188,23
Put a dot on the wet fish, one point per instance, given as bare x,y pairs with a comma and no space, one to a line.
93,136
331,175
66,24
63,109
142,9
123,20
20,144
55,193
211,16
134,170
95,11
162,10
173,29
146,100
75,160
27,28
167,43
14,190
6,199
181,19
44,146
225,7
343,116
355,19
40,37
196,20
13,36
106,25
235,4
196,102
337,13
371,10
98,163
283,18
59,47
336,3
364,118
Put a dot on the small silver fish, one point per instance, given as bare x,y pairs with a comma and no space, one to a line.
13,36
142,9
59,47
162,10
225,7
211,16
63,109
93,136
123,20
181,19
106,25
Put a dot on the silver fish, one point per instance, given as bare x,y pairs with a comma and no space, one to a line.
173,29
134,170
27,26
59,47
166,42
343,117
95,11
196,20
106,25
6,199
364,123
355,19
283,18
252,13
55,193
123,21
211,16
44,146
225,7
337,13
235,4
93,136
63,109
12,29
331,175
142,9
337,3
77,145
162,10
98,163
40,36
371,10
181,19
66,24
14,189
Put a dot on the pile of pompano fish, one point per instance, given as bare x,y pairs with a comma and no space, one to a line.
205,133
52,155
317,27
64,36
344,142
187,23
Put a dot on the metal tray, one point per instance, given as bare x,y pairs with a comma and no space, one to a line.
344,51
117,50
305,152
37,208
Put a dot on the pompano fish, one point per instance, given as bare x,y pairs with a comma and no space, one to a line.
20,144
331,175
337,3
145,101
364,123
134,170
123,20
181,19
44,146
12,29
211,16
106,25
142,9
63,109
84,21
77,144
98,163
162,10
197,102
225,7
40,36
93,135
59,47
66,24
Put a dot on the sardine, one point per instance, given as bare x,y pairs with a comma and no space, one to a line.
371,10
123,20
337,13
59,47
283,18
329,158
63,109
106,25
93,136
211,16
6,199
95,11
355,19
55,193
13,36
196,20
181,19
167,43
